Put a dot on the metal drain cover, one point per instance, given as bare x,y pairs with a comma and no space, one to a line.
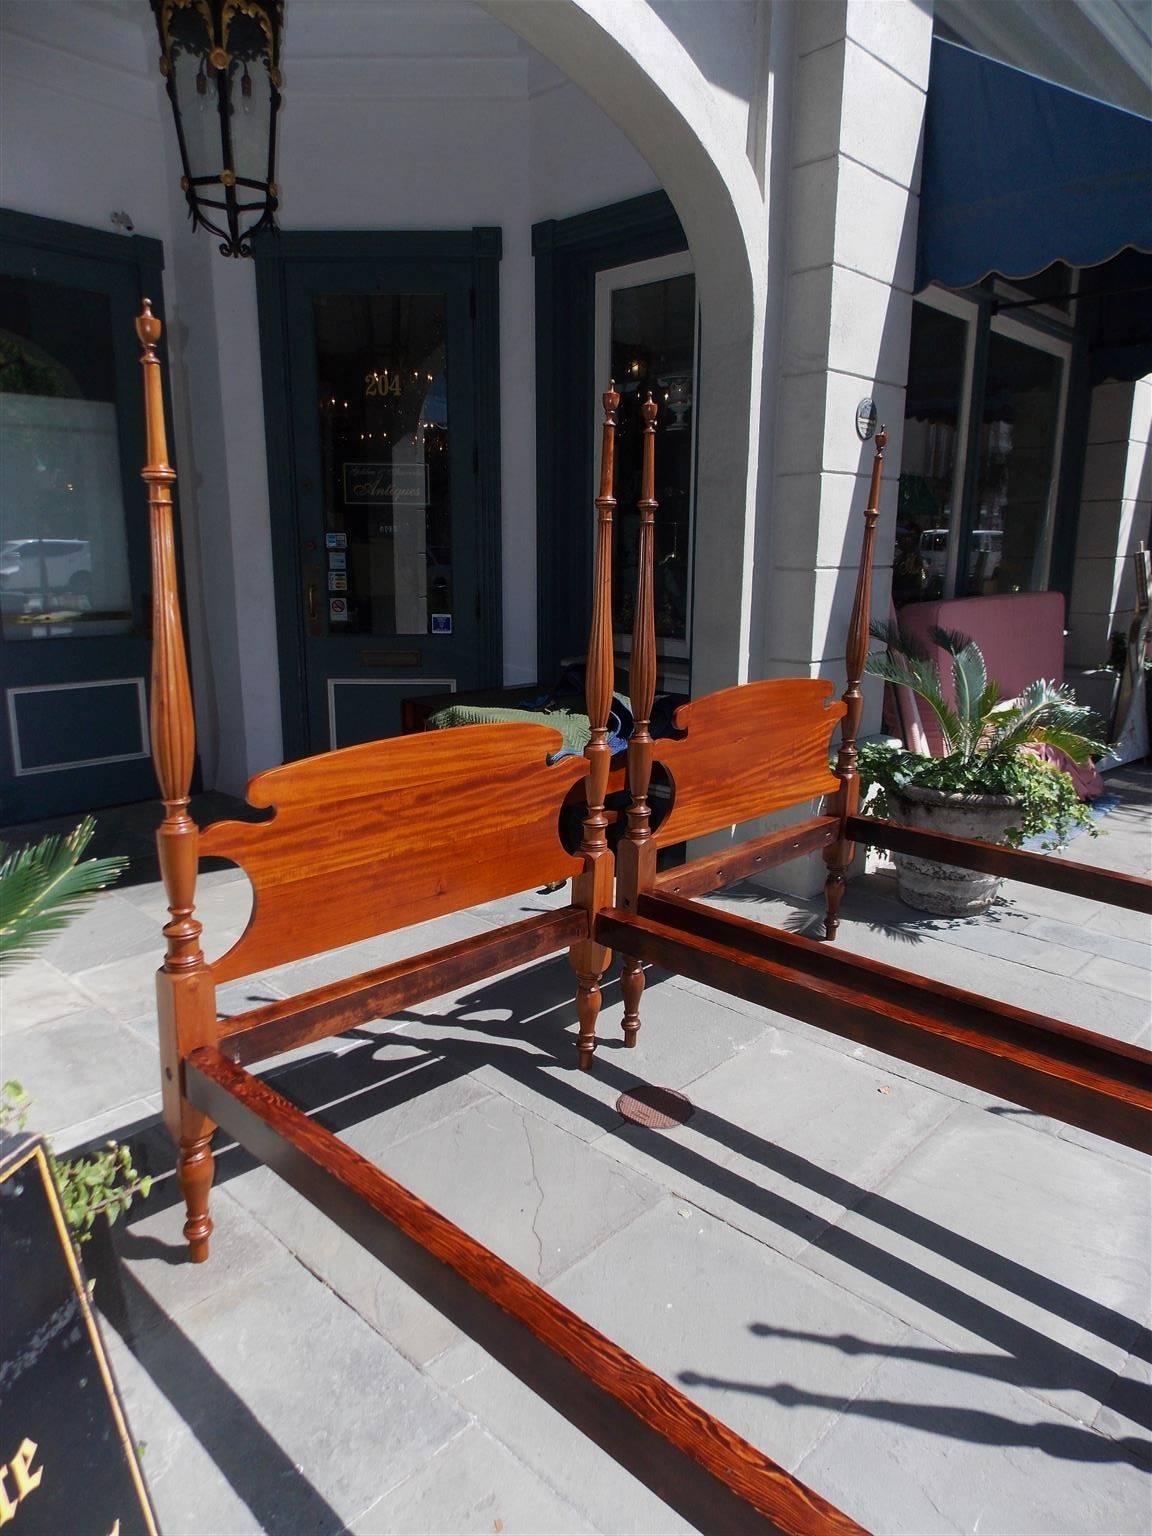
656,1108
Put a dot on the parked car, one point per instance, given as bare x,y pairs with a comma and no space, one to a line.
43,569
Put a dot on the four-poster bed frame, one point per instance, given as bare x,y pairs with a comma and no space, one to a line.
376,837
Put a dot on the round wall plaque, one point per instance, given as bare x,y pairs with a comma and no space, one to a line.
865,419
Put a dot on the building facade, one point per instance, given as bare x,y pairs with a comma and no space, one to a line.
383,423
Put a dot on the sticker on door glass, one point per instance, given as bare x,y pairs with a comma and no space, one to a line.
338,610
335,541
337,560
337,581
441,623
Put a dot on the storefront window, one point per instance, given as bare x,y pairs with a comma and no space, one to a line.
1007,547
650,345
975,511
926,514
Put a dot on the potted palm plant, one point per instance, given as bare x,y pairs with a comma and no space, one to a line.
988,784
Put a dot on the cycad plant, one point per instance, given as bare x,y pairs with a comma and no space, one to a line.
984,739
43,886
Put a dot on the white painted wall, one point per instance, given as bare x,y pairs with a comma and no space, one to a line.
395,117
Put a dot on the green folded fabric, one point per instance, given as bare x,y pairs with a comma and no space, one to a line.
572,726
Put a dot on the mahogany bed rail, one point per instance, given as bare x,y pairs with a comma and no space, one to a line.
1083,1078
688,1458
1085,880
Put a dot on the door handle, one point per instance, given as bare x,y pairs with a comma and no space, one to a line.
311,599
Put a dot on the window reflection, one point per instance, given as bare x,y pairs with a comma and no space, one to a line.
1014,478
383,412
928,462
63,542
654,348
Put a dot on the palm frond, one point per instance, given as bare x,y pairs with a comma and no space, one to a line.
898,640
1044,712
924,681
951,640
969,680
43,886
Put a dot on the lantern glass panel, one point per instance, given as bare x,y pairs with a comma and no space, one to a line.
250,122
199,109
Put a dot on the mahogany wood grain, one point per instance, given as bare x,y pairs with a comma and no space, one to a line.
376,994
185,997
1082,1078
387,834
748,751
839,857
592,889
742,859
700,1467
1085,880
636,855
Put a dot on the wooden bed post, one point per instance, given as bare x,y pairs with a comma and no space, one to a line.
636,856
839,855
185,992
592,889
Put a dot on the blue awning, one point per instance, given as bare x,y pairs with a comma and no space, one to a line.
1019,173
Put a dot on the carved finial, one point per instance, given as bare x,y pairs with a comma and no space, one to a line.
148,328
881,440
611,402
648,412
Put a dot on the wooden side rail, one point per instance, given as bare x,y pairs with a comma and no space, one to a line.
310,1016
1013,863
692,1461
1082,1078
717,870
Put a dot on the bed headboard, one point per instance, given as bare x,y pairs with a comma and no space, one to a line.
748,751
357,844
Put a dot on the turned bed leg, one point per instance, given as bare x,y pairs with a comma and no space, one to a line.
588,1001
195,1167
838,856
632,986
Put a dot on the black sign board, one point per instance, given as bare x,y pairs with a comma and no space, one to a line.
67,1461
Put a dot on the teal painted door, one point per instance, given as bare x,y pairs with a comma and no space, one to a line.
385,595
74,573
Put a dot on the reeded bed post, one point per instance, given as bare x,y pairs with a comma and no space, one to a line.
185,991
839,856
636,856
592,889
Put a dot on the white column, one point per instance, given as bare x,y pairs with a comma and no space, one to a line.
861,72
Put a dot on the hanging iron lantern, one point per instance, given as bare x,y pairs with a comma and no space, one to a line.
221,62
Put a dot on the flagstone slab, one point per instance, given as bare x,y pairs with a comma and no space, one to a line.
1026,1247
785,1138
473,1487
36,992
271,1406
933,1444
689,1297
79,1066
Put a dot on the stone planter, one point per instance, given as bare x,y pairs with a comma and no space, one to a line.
930,886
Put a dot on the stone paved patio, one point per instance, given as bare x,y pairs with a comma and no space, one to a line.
931,1305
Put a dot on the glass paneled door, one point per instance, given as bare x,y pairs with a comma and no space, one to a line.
385,398
73,520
